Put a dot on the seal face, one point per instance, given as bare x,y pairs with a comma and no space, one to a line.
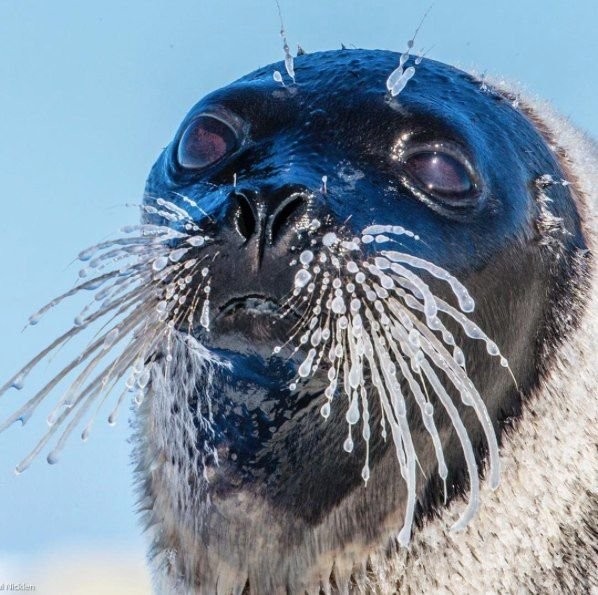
337,302
449,160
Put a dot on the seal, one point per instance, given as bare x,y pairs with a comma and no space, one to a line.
347,291
281,506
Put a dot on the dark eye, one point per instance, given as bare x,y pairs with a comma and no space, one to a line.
439,173
206,140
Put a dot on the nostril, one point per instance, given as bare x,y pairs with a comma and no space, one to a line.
285,213
244,217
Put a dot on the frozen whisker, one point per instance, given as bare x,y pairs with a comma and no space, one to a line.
375,332
149,235
400,76
169,210
91,284
466,302
380,233
150,282
289,62
407,351
469,394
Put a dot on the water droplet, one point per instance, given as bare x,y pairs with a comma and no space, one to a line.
176,255
348,444
144,378
34,319
111,338
352,415
306,257
196,241
302,278
205,315
492,348
458,356
329,239
159,263
338,305
53,457
19,382
305,367
365,473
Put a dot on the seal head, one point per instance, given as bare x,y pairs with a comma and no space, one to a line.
246,482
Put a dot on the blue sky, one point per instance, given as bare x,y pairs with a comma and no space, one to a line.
89,94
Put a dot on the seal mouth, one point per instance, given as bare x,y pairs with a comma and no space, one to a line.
252,304
252,319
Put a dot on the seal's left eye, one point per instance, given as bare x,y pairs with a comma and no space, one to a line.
205,141
439,173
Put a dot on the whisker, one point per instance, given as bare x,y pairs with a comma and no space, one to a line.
141,284
380,325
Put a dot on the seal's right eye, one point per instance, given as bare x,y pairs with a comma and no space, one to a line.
206,140
439,173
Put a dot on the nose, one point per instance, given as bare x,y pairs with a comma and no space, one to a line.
267,219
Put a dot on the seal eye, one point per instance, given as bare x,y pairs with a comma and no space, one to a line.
205,141
439,174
